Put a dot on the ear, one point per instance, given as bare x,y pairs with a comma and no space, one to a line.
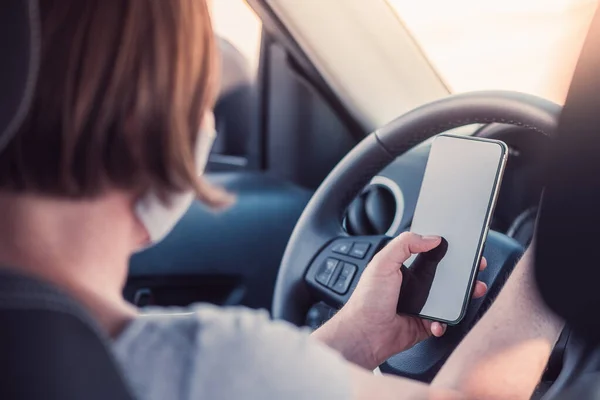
208,121
142,239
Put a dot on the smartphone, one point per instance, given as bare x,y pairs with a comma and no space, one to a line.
456,201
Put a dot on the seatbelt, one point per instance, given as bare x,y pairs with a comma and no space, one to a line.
567,249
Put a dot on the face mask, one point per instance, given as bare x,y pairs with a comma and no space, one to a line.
158,218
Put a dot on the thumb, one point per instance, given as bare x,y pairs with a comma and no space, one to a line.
402,247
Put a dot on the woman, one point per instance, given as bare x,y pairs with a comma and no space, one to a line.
105,164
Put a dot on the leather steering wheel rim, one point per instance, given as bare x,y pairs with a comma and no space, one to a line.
321,220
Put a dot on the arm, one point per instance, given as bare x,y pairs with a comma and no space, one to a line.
505,354
366,386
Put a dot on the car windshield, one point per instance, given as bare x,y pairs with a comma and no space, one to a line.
523,45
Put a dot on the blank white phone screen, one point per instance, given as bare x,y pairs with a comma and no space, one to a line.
455,200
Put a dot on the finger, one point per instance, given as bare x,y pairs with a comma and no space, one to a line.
403,246
482,264
479,290
438,329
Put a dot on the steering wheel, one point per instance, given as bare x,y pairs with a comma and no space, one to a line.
319,235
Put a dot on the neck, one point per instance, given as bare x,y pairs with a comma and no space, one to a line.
83,247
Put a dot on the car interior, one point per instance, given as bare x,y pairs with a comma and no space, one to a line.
310,181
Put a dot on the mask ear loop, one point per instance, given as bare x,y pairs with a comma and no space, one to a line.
206,140
32,74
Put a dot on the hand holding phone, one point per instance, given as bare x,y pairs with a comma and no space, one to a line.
368,330
456,202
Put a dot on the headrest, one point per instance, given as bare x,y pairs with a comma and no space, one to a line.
20,46
567,253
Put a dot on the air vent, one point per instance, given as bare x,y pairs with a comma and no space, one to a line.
377,210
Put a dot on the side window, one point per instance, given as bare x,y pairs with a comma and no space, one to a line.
238,32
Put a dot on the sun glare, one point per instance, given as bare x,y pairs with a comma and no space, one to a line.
524,45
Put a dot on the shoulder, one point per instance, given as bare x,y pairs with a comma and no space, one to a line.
232,352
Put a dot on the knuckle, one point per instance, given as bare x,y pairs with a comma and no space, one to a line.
406,236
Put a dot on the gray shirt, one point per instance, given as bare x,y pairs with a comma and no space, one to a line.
207,352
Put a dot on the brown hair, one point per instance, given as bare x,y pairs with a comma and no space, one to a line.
120,96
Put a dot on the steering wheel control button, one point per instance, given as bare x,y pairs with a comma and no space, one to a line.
326,271
359,250
342,247
344,280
